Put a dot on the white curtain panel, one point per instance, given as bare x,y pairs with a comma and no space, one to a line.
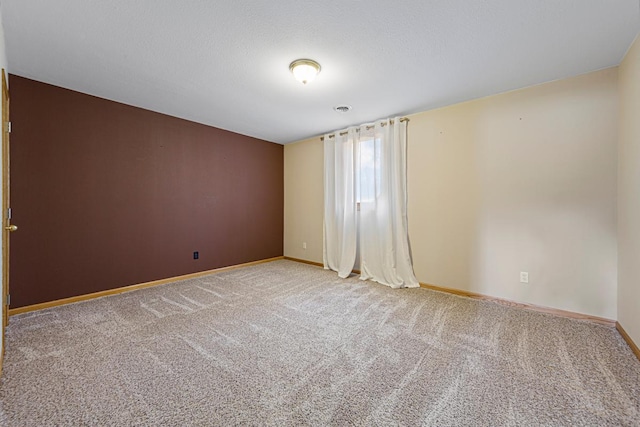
384,235
340,153
377,179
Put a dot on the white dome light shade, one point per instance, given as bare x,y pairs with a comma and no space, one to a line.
304,70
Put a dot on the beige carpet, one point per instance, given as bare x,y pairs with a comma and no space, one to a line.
289,344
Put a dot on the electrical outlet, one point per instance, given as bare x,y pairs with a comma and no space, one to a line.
304,245
196,255
524,277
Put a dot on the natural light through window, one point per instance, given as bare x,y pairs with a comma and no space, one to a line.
368,170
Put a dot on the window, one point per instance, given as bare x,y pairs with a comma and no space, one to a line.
368,170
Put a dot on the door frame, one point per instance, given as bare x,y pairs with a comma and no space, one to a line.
5,209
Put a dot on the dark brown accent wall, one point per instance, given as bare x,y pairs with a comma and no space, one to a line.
107,195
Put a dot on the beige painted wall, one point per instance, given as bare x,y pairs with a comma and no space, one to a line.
629,194
522,181
303,199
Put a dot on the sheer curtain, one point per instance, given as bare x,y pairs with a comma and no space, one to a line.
384,235
369,168
339,201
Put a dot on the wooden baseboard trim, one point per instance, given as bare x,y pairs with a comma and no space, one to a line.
49,304
533,307
552,311
304,261
634,348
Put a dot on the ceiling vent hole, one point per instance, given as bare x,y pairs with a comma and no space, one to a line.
342,108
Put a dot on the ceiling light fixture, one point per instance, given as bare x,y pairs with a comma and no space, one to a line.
304,70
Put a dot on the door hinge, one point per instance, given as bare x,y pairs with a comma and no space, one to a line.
8,213
8,127
8,299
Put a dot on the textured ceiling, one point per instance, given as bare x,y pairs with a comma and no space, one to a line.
225,63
